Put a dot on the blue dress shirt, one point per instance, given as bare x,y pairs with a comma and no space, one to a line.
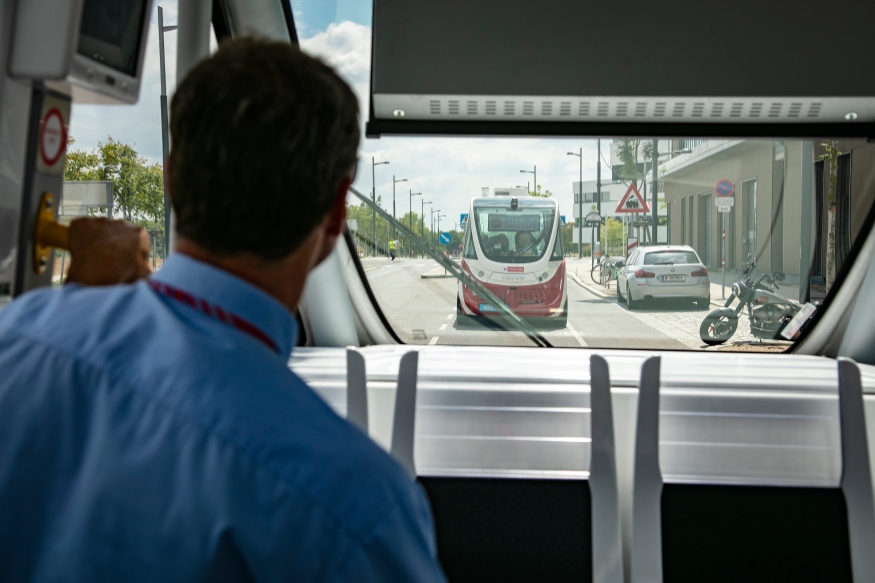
142,439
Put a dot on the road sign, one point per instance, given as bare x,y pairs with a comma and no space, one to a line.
726,201
562,220
445,238
629,204
593,218
724,188
463,220
724,209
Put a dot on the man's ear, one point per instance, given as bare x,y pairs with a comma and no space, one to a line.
337,213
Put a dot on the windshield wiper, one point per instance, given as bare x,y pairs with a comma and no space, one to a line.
517,322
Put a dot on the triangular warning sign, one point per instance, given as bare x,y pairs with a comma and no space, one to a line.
632,205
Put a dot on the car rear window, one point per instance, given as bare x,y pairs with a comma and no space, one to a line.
670,257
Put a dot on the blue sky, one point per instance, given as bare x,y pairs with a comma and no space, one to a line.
449,171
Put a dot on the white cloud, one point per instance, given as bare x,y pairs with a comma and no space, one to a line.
346,46
449,171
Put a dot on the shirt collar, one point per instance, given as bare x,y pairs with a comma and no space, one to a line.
233,295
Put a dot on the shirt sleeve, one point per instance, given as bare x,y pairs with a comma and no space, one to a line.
402,546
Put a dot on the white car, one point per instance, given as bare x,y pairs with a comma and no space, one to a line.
663,271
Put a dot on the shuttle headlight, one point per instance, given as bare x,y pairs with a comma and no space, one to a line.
479,274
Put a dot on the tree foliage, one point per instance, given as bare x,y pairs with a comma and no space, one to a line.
630,152
137,186
540,193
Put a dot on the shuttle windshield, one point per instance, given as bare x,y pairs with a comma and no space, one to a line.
514,236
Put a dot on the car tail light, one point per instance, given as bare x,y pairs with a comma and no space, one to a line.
644,274
700,273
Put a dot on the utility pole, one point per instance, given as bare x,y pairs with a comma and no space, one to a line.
598,189
374,199
535,172
165,138
654,207
579,206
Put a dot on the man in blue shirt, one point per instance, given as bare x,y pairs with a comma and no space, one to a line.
153,431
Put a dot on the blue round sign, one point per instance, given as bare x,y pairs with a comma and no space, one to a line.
725,188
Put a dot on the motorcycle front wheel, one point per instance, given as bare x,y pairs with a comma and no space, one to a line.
717,328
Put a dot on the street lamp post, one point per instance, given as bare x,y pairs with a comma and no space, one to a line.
439,225
165,139
410,218
433,211
535,172
374,199
598,195
394,182
422,221
579,206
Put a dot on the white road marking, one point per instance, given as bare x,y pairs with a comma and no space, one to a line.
420,264
433,341
576,334
451,316
384,272
443,327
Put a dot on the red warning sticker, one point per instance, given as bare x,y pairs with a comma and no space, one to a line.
52,137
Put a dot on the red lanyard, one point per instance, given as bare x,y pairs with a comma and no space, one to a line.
213,311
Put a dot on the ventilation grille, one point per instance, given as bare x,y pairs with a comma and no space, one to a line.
620,109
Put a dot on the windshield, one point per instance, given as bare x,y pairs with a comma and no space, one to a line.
670,257
514,236
794,207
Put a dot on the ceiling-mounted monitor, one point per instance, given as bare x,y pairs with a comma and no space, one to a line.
611,68
91,49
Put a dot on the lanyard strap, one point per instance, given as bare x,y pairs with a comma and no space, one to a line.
213,311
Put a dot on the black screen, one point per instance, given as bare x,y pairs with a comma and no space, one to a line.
110,33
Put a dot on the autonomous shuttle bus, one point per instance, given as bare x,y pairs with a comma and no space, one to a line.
512,245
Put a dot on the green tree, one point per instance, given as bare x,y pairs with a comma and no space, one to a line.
628,152
540,193
612,237
567,234
137,187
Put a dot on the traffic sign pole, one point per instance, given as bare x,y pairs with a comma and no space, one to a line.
724,201
723,253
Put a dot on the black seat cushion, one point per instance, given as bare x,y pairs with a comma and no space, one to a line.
753,533
491,529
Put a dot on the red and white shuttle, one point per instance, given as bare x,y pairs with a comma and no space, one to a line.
513,247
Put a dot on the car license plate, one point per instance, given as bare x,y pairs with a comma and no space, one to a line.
672,278
487,308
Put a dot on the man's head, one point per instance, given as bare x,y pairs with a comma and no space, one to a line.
264,148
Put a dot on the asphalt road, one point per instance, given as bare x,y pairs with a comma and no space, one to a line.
423,311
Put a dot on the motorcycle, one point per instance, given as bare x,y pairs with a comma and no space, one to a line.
769,312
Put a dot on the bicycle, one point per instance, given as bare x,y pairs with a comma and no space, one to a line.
605,270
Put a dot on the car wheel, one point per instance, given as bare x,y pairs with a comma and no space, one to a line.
620,299
630,303
703,303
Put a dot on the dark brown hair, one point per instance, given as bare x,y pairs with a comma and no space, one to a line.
262,137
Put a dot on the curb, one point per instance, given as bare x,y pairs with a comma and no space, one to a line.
429,275
588,287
